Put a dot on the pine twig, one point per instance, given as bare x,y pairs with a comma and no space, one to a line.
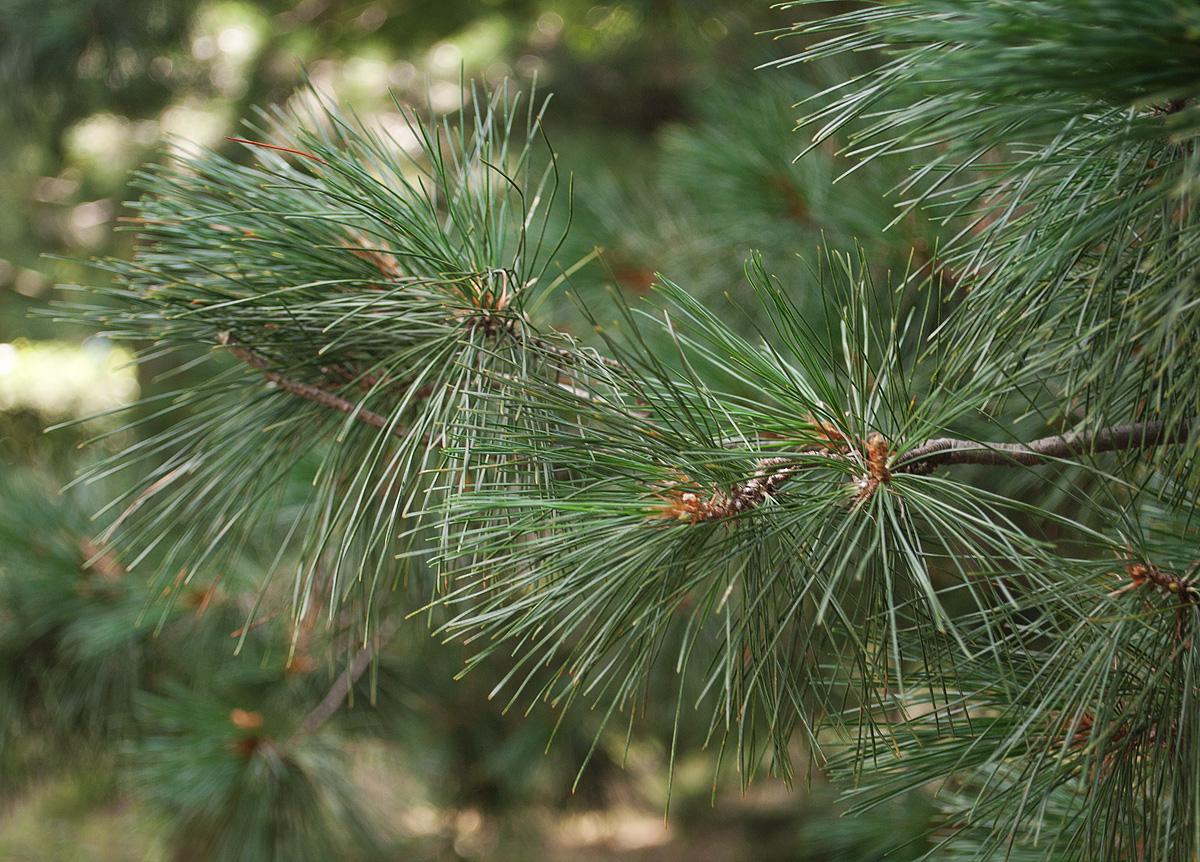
1141,435
922,459
307,390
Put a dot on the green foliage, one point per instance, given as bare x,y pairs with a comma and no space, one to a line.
86,672
815,518
379,262
654,471
1063,157
71,654
234,786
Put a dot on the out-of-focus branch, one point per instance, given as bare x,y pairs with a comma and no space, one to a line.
332,701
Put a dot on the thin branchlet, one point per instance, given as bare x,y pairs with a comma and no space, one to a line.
341,687
770,473
307,390
1160,579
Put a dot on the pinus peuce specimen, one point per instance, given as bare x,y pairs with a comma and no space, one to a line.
946,539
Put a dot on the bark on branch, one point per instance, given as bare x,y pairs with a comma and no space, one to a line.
1142,435
307,390
770,473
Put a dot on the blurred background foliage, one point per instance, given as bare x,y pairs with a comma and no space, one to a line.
129,728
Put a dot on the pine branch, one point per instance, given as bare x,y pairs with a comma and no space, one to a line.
1142,435
307,390
770,473
775,471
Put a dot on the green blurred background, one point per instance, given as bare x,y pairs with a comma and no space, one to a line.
132,733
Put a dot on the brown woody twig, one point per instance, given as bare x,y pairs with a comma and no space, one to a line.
772,472
307,390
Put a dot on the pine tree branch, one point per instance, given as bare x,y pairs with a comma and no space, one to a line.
1142,435
924,458
307,390
770,473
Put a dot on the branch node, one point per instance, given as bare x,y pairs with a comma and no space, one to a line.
878,472
691,507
